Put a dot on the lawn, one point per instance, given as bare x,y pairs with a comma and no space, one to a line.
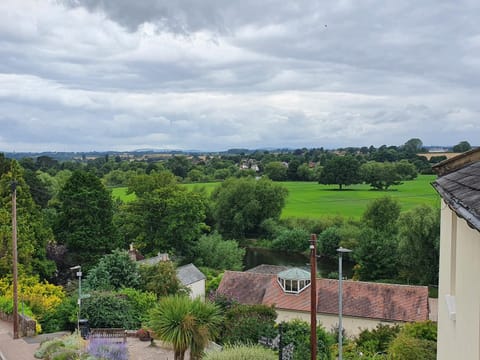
309,199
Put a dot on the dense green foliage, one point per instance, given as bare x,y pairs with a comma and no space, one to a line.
241,205
341,171
297,332
215,252
245,324
112,272
160,278
123,309
84,222
164,217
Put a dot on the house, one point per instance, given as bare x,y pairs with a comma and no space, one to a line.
365,304
188,275
459,287
192,278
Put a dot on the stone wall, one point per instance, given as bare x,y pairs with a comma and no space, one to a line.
27,326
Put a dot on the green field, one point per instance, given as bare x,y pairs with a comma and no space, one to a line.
309,199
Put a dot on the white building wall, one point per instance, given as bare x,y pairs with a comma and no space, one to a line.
197,289
458,325
352,325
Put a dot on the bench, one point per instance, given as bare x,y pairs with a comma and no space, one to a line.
113,334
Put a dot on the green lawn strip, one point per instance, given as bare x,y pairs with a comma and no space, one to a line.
312,200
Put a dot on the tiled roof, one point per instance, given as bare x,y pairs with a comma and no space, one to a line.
460,189
361,299
268,269
189,274
245,287
374,300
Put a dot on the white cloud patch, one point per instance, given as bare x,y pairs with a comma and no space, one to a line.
97,75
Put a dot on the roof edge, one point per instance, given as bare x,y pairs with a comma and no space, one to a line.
456,162
457,207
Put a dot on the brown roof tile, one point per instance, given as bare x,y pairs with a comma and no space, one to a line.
245,287
361,299
374,300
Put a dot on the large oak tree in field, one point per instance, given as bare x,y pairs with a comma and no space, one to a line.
341,171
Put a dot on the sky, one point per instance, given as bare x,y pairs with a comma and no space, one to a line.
85,75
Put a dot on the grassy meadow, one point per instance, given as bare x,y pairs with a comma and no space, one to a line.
311,200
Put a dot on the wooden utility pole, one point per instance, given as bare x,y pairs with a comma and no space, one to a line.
313,297
14,259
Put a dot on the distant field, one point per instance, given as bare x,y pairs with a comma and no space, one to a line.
309,199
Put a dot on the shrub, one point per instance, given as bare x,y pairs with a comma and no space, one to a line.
107,350
70,345
108,309
242,352
247,323
292,240
297,332
215,252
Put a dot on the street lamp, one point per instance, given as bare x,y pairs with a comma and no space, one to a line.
79,301
340,251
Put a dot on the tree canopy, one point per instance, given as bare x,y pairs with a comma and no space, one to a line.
341,171
241,205
84,222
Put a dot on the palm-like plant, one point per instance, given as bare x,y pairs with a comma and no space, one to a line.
185,323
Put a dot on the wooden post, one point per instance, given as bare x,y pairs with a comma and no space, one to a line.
14,260
313,297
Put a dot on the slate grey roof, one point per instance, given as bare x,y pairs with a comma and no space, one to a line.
189,274
460,189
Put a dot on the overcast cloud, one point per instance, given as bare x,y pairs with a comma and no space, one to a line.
80,75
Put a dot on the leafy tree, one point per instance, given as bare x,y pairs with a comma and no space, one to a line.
38,190
113,271
215,252
419,235
462,146
276,171
382,214
164,217
341,171
304,173
380,175
406,170
295,239
413,146
328,242
84,221
160,278
31,228
376,255
241,205
179,166
185,323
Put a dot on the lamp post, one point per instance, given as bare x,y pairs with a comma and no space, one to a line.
313,296
340,251
79,301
